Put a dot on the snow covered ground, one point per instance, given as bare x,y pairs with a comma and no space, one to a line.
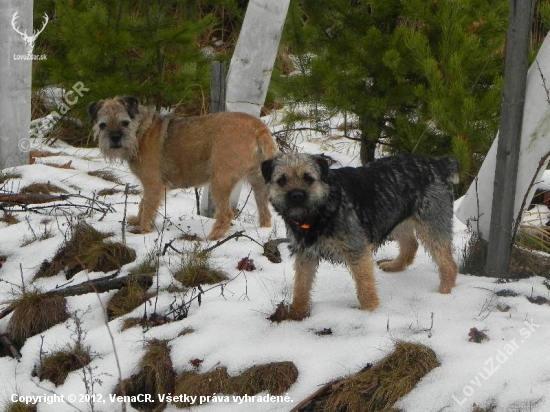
510,370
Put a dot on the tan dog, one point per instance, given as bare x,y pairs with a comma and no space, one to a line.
165,151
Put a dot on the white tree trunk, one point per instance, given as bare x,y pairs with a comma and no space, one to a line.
251,65
535,143
15,84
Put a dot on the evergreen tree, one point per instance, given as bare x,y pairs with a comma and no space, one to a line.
152,49
420,76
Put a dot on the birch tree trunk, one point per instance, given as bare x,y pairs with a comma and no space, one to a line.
252,64
15,84
475,207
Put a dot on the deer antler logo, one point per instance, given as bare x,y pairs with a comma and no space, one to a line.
29,40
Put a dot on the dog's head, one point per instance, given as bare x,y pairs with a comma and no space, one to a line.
298,184
115,123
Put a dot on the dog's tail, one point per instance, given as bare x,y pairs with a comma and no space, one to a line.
452,169
266,143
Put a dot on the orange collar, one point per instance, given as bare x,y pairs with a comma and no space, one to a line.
304,226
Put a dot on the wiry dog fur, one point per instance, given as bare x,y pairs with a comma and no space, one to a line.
165,151
343,214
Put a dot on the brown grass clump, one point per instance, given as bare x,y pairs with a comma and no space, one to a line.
106,175
196,269
18,407
34,313
42,189
274,378
379,387
57,366
9,219
5,176
155,376
126,300
108,192
203,384
85,249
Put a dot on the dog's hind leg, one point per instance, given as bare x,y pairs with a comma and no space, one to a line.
408,245
439,246
221,187
260,195
363,273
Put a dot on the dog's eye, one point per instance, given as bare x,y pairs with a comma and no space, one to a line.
308,179
125,123
102,126
281,181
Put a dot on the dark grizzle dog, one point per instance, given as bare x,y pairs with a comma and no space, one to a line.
342,214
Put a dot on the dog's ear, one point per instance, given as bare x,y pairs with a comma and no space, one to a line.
267,169
93,108
323,166
132,105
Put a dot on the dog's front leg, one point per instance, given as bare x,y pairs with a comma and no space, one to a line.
152,197
362,270
135,220
305,269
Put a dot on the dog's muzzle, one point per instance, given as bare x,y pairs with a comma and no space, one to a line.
296,197
115,138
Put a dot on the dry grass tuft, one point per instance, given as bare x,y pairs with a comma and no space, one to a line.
146,266
42,189
155,376
18,407
85,249
126,300
131,322
5,176
274,378
34,313
195,269
203,384
106,175
109,192
57,366
379,387
186,331
524,262
9,219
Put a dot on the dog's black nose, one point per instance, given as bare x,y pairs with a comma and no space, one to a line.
115,136
297,195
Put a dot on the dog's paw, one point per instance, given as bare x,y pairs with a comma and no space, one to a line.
445,289
133,220
284,312
391,265
370,304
